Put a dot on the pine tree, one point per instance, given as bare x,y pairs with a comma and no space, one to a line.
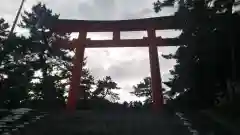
14,70
54,64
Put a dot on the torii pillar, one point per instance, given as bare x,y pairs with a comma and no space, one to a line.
79,45
156,82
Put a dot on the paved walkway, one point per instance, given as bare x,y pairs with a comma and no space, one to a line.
108,123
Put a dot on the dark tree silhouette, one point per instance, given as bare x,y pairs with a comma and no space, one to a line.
143,89
53,64
34,72
105,87
205,62
14,71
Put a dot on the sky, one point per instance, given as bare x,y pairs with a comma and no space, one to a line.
126,66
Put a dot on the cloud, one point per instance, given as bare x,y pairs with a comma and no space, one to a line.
127,66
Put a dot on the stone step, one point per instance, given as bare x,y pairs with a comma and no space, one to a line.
112,123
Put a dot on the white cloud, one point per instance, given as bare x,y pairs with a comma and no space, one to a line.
127,65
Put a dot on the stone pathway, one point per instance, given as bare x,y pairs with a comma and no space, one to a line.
13,121
108,123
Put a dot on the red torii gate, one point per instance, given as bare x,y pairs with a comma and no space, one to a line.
149,24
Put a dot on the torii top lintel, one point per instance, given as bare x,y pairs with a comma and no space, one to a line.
157,23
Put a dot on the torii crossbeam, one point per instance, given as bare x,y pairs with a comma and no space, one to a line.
151,41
